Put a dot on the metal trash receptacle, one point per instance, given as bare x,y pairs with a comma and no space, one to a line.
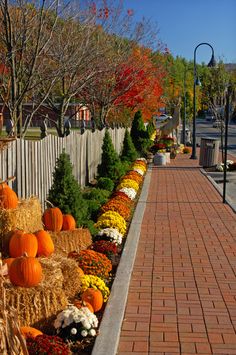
209,152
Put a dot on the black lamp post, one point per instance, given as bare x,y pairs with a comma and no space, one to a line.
196,82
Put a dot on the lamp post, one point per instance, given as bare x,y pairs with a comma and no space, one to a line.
196,82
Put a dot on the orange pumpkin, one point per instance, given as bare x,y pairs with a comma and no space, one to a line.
94,297
45,243
80,271
8,198
25,271
69,223
79,304
29,332
53,219
8,261
21,243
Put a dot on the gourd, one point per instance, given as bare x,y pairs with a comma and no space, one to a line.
68,222
25,271
21,243
94,297
45,243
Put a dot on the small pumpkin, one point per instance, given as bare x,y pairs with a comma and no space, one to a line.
79,304
8,261
69,223
94,297
80,271
25,271
45,243
53,219
21,243
8,198
30,332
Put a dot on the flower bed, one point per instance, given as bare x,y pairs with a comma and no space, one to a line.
98,263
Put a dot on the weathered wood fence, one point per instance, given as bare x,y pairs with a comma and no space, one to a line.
33,162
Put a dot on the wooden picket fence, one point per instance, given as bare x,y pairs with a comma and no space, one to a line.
33,162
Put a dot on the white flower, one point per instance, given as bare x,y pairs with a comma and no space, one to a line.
112,233
84,333
86,324
139,171
129,191
73,331
92,332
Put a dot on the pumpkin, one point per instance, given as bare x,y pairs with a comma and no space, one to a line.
79,304
45,243
29,332
8,198
69,223
80,271
94,297
25,271
21,243
8,261
53,219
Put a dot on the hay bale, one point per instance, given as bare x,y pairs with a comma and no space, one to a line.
27,216
36,306
61,272
67,241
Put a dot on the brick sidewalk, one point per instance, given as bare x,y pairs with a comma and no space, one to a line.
182,296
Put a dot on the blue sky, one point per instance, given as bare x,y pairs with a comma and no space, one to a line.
183,24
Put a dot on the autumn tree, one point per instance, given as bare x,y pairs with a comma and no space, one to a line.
26,31
117,71
73,58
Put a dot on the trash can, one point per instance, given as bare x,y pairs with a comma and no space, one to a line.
159,159
209,152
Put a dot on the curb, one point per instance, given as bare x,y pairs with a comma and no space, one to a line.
110,327
217,187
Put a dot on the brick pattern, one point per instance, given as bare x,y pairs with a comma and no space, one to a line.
182,295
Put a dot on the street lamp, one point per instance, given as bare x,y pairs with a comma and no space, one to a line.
196,82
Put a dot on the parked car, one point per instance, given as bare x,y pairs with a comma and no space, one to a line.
218,124
163,117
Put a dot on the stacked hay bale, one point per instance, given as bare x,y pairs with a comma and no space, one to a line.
67,241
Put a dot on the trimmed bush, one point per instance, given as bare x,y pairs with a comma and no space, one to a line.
129,152
105,184
65,191
139,135
111,165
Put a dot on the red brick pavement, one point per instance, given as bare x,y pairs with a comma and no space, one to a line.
182,296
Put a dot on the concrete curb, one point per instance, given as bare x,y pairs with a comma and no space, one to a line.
219,189
109,331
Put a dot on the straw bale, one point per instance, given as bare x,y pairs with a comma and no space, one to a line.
62,272
27,216
67,241
36,306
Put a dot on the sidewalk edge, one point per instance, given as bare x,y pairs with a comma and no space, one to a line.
109,330
217,187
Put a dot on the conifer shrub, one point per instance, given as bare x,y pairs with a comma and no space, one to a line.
95,199
105,183
129,152
65,191
139,134
151,129
111,165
